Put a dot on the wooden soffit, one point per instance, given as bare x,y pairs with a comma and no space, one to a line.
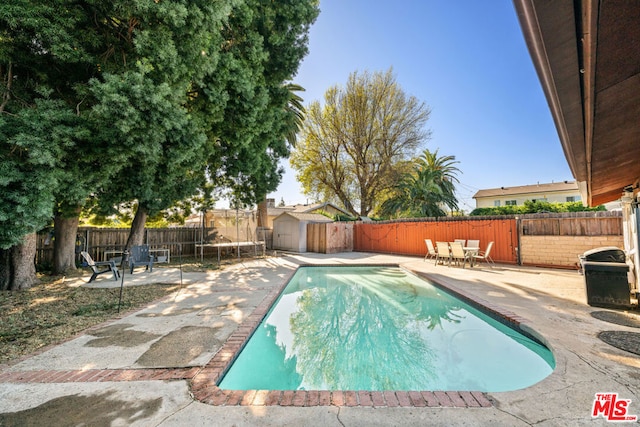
587,55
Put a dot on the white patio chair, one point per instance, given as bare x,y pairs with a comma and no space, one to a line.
443,252
431,251
473,244
457,253
485,255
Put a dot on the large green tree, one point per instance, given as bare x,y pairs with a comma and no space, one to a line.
31,142
151,104
94,32
229,127
426,191
44,60
354,147
268,40
137,100
69,51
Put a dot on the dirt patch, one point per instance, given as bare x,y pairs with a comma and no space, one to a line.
94,410
120,335
180,347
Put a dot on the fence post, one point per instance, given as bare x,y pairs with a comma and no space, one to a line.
519,234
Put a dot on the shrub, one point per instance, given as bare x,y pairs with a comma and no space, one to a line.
536,207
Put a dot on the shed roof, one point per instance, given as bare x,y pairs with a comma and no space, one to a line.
528,189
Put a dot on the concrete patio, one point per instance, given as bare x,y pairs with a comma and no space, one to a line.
144,368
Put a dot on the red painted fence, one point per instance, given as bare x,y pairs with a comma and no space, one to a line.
407,237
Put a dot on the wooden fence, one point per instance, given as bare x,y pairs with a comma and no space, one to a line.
535,239
551,239
408,237
330,237
602,223
97,241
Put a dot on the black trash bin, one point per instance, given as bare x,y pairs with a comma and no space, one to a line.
606,277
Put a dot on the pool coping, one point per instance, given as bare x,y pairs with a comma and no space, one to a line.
204,386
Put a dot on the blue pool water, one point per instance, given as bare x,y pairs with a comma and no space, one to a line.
381,328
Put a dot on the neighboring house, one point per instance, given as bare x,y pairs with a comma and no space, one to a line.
193,220
555,192
290,230
317,208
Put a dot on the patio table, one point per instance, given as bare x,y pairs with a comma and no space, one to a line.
470,251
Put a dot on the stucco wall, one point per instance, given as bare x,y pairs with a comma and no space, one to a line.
561,250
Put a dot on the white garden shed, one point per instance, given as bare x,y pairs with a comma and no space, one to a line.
290,230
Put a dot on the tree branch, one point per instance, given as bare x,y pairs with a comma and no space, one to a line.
6,95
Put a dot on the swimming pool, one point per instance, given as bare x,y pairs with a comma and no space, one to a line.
381,328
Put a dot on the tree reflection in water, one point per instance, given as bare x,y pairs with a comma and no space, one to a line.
356,331
263,365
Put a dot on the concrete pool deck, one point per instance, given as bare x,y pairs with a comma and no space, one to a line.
149,368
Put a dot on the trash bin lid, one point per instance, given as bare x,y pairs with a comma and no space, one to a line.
610,267
605,254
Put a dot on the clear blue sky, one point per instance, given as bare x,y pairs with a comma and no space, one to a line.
467,60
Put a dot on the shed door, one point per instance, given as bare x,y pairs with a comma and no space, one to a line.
285,240
283,235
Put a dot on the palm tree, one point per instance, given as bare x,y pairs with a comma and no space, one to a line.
425,191
296,112
444,173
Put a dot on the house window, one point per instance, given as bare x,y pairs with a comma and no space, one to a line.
496,203
511,203
571,199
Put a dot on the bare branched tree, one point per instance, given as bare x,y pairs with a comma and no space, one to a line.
353,149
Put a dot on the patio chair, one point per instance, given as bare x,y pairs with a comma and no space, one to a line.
443,252
431,251
457,253
140,256
100,267
463,241
473,244
485,255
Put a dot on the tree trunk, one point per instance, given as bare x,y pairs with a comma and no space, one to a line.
262,213
17,265
136,235
64,245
